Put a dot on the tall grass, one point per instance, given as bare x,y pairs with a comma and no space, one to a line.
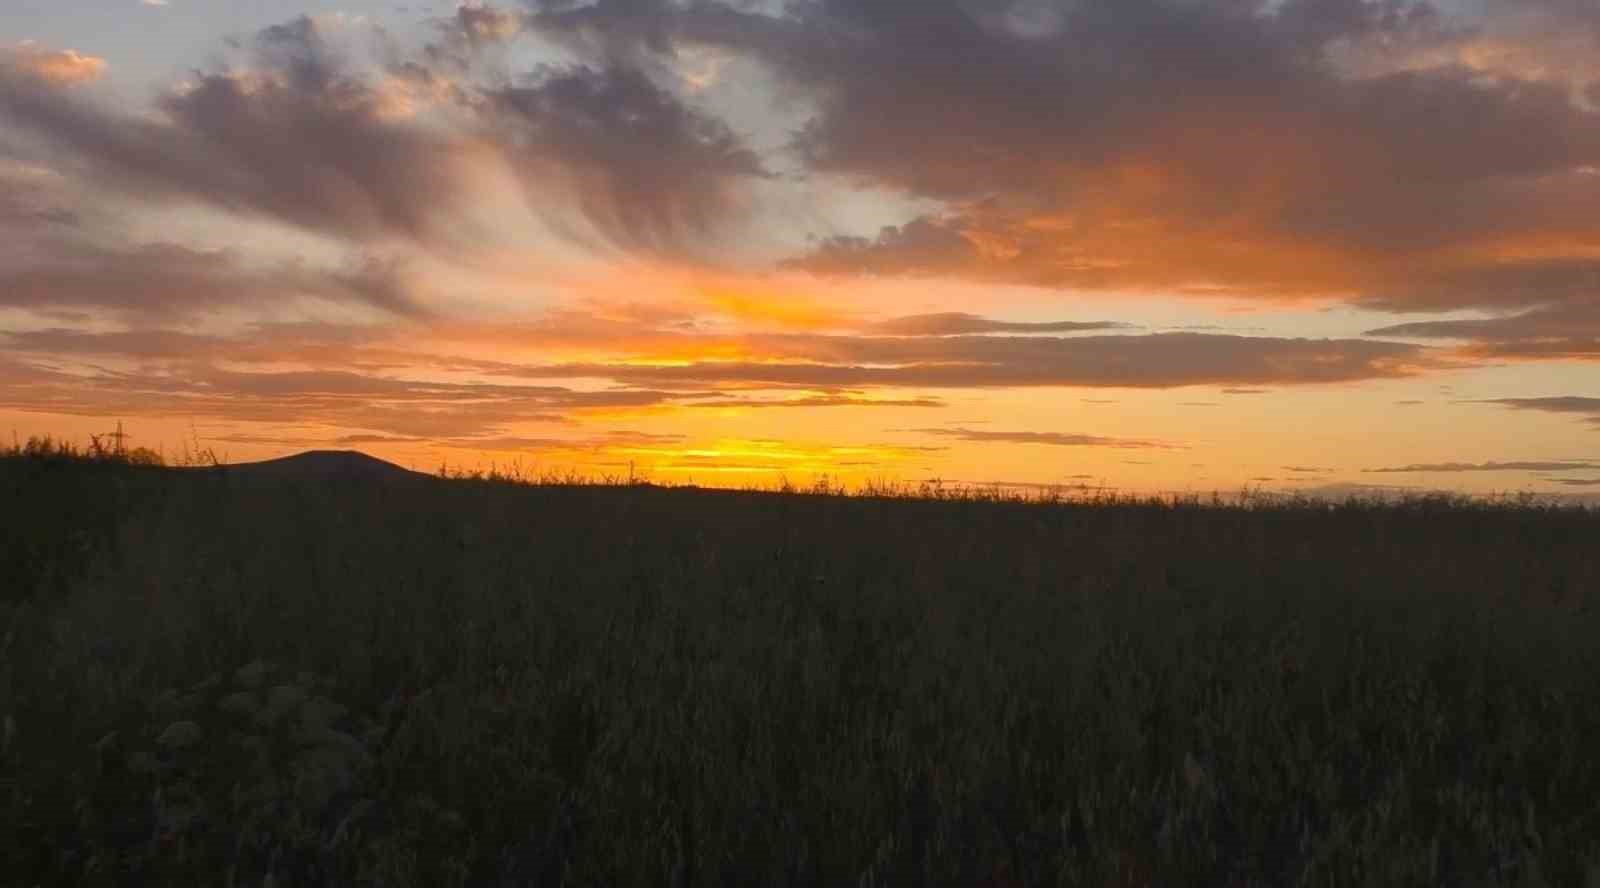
207,678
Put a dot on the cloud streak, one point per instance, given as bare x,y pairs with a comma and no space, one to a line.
1587,408
1512,466
1568,330
1163,360
166,281
1051,439
962,324
336,399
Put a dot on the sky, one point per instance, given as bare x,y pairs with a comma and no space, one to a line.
1153,245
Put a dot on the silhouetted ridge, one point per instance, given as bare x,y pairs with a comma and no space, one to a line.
324,464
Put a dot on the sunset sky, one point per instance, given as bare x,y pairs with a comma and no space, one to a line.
1157,245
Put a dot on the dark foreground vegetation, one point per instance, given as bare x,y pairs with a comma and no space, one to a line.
218,678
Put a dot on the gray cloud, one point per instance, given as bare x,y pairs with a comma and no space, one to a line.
157,343
1165,360
30,208
162,281
487,24
1563,330
304,135
350,346
461,41
296,137
641,166
1589,408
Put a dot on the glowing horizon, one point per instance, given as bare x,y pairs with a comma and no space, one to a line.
1154,245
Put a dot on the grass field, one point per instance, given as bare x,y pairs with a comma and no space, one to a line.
208,678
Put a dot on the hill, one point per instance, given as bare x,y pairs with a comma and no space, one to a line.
323,465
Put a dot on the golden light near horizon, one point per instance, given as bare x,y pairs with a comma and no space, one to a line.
1306,245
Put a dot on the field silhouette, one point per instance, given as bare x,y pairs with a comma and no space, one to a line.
329,670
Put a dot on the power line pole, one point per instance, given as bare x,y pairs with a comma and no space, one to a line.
119,437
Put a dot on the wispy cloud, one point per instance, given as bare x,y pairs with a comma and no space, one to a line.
1053,439
1510,466
1588,408
961,324
822,400
300,132
162,282
1567,330
350,401
1162,360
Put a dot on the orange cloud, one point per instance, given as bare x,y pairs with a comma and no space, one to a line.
64,67
1226,151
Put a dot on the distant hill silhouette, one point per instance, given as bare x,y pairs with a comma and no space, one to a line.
324,465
